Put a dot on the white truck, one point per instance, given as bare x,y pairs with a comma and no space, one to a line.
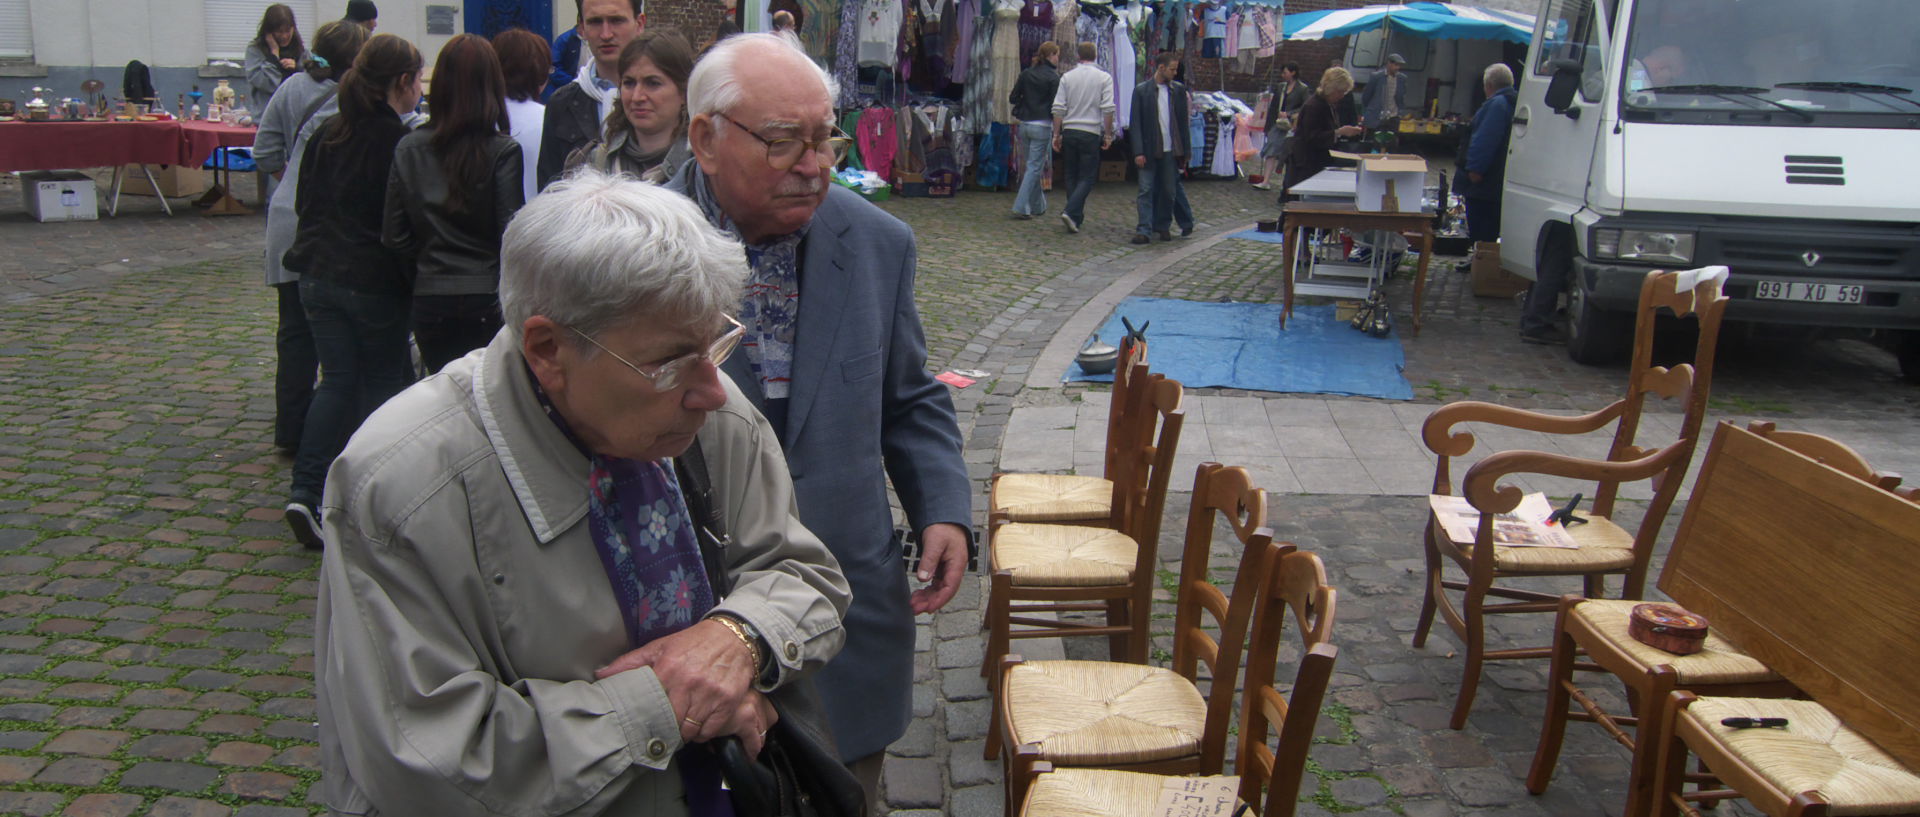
1780,138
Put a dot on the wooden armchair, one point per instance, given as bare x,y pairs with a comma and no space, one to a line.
1141,717
1296,589
1061,568
1605,548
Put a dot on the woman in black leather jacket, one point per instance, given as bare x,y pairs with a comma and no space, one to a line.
455,185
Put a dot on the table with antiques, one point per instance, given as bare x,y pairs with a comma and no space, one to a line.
1342,278
62,145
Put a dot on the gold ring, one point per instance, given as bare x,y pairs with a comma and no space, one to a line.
694,723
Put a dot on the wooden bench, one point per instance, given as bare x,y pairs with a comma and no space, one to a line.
1816,573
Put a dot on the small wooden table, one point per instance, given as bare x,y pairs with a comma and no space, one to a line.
1302,215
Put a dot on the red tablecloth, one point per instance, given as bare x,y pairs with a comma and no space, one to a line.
58,145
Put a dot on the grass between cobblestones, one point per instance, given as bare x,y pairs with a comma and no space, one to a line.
155,632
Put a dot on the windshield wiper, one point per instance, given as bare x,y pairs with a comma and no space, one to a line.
1860,88
1731,93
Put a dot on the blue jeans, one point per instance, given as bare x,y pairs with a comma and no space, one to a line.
1163,199
1080,157
1038,136
361,338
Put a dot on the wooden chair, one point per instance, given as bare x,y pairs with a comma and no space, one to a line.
1815,766
1140,717
1605,548
1598,628
1076,568
1296,589
1085,500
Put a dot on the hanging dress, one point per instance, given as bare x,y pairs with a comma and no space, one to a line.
1007,29
1036,27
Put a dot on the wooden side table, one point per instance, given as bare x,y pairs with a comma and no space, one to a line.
1298,216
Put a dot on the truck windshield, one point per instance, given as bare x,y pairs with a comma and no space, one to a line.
1804,63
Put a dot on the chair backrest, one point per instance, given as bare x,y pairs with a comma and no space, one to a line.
1811,570
1296,588
1140,492
1219,491
1828,452
1126,407
1690,292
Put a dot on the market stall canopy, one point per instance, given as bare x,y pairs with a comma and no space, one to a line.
1440,21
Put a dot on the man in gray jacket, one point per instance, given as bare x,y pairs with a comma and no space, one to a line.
835,358
515,610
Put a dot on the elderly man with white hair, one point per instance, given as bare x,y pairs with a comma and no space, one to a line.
524,607
834,356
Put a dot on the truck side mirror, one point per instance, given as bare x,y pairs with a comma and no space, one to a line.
1564,85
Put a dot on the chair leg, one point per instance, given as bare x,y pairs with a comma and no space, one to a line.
1670,767
996,708
1476,638
1553,726
1139,637
1649,734
999,606
1120,645
1430,603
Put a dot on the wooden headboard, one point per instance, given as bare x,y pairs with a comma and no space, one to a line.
1814,572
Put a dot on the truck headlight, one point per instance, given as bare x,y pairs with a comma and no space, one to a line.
1645,246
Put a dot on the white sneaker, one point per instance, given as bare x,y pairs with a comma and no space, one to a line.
305,524
1263,186
1071,226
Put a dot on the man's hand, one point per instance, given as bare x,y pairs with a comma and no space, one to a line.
1475,176
1056,141
1106,141
708,675
1139,161
943,560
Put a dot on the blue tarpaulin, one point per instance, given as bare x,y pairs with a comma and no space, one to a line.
1439,21
1241,346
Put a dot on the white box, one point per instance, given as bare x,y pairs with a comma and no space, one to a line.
59,195
1406,173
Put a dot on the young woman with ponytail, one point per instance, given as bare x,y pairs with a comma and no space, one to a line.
355,290
277,148
455,185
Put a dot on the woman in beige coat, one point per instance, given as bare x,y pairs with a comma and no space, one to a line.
513,613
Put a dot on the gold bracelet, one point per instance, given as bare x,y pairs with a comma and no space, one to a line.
739,630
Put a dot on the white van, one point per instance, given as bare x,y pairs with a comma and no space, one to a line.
1778,137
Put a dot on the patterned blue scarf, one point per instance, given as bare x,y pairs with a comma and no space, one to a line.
770,309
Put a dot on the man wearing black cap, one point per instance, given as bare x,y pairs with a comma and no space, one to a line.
364,13
1386,95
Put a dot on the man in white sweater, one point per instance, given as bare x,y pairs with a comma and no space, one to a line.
1082,127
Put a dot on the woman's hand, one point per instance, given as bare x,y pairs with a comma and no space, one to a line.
1349,130
288,64
708,674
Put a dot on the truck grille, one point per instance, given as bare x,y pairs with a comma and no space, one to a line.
1784,255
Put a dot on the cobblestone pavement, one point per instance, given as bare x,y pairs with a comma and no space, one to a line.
155,617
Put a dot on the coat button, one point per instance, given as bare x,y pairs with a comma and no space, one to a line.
656,748
499,578
793,651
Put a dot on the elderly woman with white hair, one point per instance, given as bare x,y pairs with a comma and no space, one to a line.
556,566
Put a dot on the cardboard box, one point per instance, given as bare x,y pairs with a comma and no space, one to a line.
1113,171
1388,182
175,181
59,195
1489,280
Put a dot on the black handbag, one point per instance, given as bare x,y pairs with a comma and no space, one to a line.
798,772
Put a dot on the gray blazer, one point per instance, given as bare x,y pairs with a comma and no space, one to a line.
863,408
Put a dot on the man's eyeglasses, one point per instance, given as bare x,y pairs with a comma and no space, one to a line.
666,376
783,154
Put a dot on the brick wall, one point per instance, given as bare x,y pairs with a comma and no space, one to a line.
698,19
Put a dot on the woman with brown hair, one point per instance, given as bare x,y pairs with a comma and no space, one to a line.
524,61
455,185
354,289
646,136
273,56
